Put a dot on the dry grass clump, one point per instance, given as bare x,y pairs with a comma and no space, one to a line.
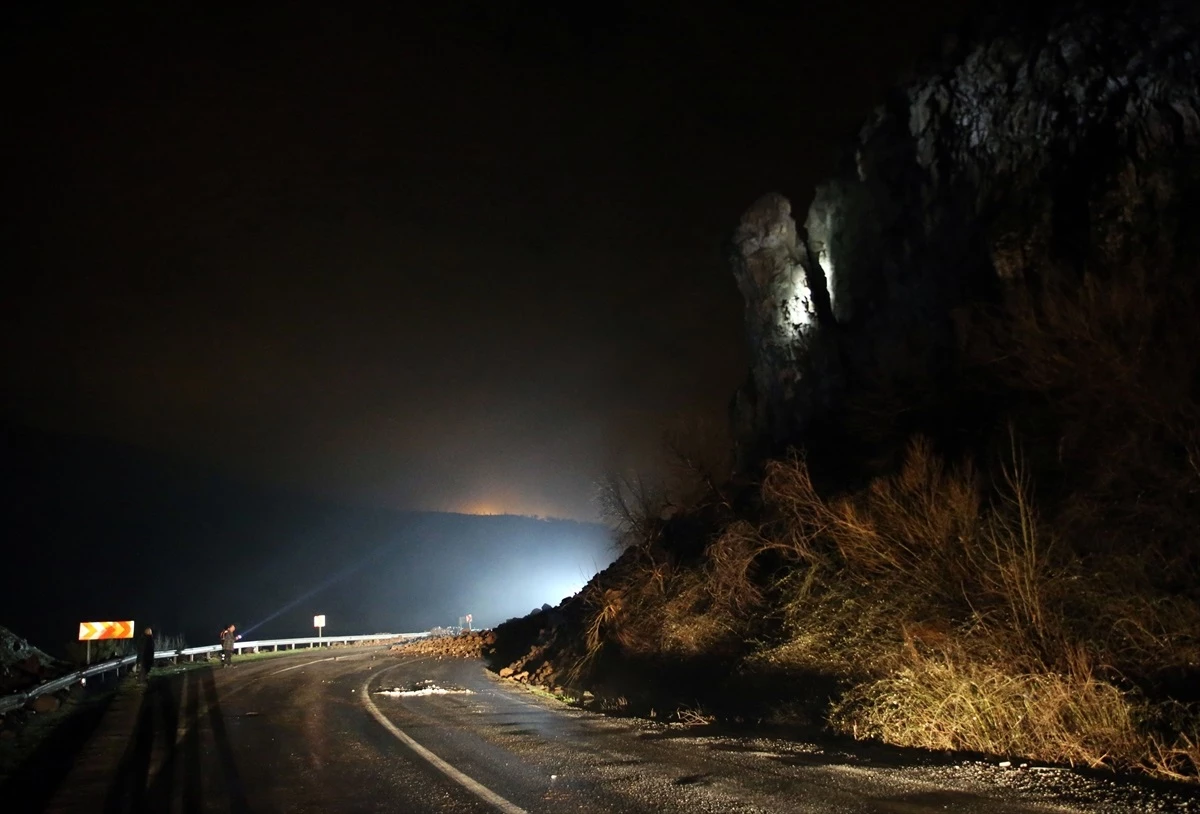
953,701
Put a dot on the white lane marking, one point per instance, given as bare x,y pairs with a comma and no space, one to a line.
298,666
470,784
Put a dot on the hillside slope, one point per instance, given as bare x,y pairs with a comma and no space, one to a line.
968,450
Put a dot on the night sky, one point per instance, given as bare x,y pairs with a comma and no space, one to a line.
451,260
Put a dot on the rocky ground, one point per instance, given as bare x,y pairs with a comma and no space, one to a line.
22,665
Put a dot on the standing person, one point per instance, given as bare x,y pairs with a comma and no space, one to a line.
228,637
146,657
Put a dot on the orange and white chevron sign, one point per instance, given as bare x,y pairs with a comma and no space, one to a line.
90,631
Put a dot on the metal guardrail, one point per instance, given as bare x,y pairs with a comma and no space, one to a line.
19,699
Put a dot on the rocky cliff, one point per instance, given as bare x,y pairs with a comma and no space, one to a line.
1058,141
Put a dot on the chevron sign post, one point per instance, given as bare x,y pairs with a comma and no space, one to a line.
91,631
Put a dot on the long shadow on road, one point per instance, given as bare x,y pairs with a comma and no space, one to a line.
233,780
157,760
193,794
159,713
171,689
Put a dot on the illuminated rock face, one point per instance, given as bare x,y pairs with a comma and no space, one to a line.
1050,142
786,304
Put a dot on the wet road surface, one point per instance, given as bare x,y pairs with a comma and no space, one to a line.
368,730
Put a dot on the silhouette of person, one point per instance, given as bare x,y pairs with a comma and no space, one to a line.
146,657
228,637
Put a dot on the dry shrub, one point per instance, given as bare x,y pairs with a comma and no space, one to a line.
1179,760
867,567
606,606
926,546
699,454
803,515
731,566
954,701
919,523
1013,567
651,605
840,630
693,716
633,607
635,505
691,623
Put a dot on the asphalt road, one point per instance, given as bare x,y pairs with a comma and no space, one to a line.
313,733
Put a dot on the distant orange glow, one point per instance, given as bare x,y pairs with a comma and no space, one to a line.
483,509
513,506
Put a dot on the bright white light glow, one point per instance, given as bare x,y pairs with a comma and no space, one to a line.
797,314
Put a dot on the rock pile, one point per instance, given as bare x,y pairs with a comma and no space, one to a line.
467,645
538,649
533,668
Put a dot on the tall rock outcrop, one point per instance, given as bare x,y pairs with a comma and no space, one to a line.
1056,140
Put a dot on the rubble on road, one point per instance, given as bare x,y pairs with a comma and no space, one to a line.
466,645
533,668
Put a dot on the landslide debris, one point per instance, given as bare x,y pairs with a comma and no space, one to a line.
466,645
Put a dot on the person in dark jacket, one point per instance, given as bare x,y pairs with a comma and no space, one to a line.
228,637
146,657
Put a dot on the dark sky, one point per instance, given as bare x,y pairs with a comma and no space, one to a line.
436,259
